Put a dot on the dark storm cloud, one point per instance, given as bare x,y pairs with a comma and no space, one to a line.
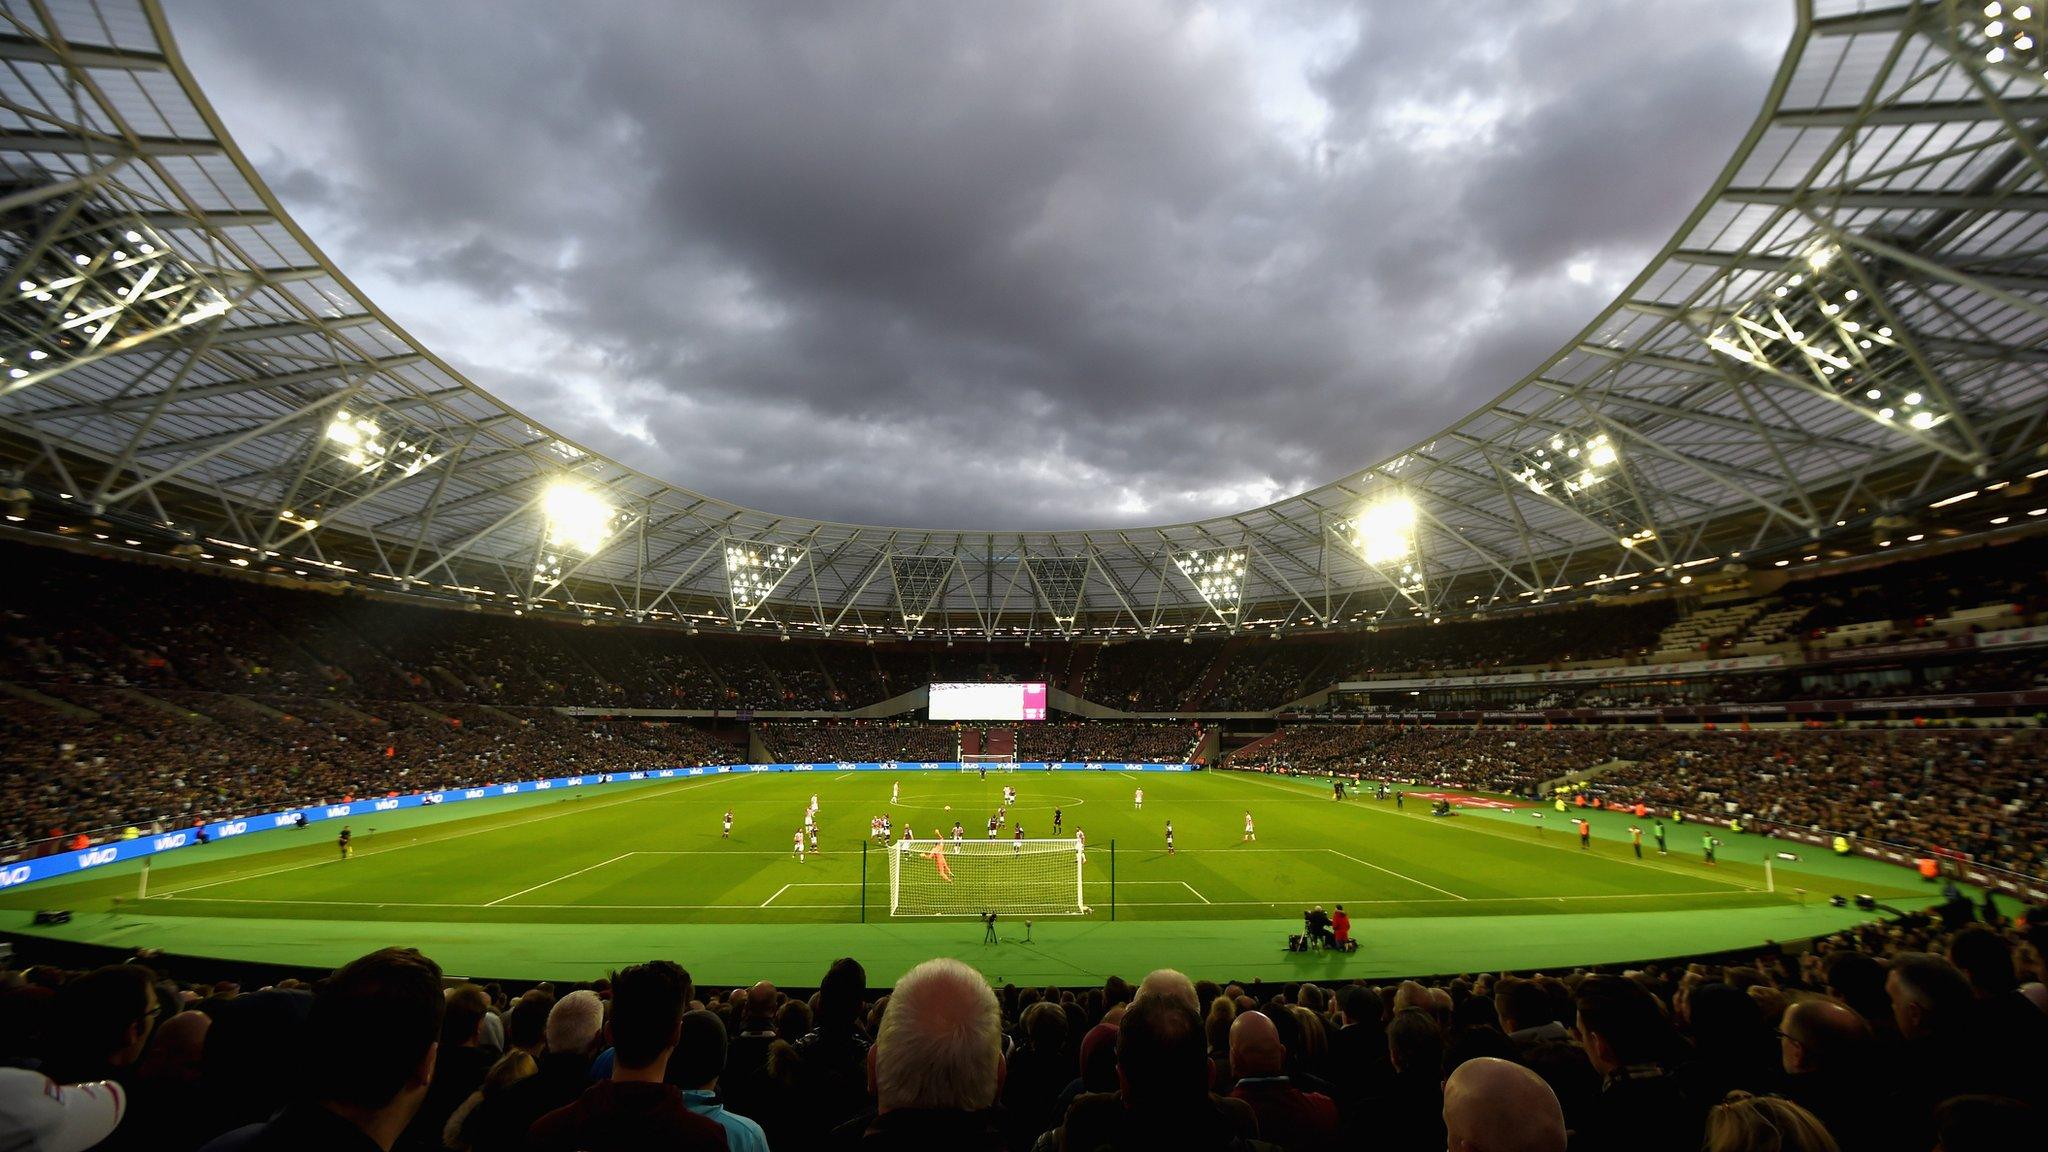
1017,265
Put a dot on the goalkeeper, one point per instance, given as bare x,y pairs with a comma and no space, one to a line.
938,856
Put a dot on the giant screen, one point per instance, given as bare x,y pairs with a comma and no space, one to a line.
988,702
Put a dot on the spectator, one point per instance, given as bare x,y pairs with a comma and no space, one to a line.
700,1058
1409,1111
1765,1124
1037,1070
37,1114
1495,1105
635,1109
1164,1100
107,1017
938,1062
1358,1052
1287,1116
371,1042
511,1068
832,1058
460,1068
1826,1050
748,1051
1628,1040
574,1032
1525,1013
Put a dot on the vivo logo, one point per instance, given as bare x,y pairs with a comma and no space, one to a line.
509,788
284,818
384,805
336,811
636,775
807,767
474,793
233,828
544,785
435,797
98,856
1091,767
18,874
174,840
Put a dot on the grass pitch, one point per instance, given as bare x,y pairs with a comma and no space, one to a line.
609,873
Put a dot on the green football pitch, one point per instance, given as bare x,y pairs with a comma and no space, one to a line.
554,886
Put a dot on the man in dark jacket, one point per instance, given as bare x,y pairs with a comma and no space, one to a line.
938,1063
372,1037
1629,1041
574,1035
1164,1102
635,1109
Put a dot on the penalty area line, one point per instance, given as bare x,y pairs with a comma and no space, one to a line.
1396,875
559,879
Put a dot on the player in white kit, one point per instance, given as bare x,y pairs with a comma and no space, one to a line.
1249,834
895,791
798,847
728,825
1139,799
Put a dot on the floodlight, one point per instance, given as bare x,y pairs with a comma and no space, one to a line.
1384,533
576,517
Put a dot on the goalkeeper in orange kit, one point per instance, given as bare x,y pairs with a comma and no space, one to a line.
938,855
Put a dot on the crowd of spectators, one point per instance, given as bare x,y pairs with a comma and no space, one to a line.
101,762
858,741
1907,1036
1507,760
1982,792
1112,741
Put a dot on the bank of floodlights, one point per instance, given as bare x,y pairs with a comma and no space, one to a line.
1566,465
2010,37
89,286
1217,575
575,520
362,443
1820,324
753,569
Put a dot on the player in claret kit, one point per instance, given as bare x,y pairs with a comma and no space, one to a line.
994,825
1169,838
727,834
814,837
1017,840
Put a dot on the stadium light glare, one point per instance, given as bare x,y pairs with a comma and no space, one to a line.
577,518
1384,533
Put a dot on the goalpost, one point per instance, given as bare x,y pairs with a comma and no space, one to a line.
1014,877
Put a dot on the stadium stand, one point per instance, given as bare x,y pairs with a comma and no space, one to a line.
1943,1019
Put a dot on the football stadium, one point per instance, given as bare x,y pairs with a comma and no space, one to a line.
1648,757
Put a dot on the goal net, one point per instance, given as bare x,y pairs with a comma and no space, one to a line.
970,877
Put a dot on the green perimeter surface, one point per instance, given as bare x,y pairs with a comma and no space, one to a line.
566,887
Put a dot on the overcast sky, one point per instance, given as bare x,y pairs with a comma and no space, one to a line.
990,264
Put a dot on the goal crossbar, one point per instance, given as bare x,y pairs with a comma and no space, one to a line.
971,877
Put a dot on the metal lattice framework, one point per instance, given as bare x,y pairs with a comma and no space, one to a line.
1849,324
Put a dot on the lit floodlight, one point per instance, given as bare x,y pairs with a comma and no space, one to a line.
1218,577
1820,323
1384,534
577,518
753,569
2010,38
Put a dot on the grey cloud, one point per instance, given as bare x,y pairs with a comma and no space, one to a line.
990,265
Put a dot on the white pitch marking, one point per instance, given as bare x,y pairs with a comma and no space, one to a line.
1132,903
436,840
1484,831
1391,872
771,899
1198,895
559,879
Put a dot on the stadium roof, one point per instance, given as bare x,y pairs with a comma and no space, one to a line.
1846,328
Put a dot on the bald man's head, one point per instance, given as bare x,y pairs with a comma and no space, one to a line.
1255,1048
1166,982
1821,1035
1493,1105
